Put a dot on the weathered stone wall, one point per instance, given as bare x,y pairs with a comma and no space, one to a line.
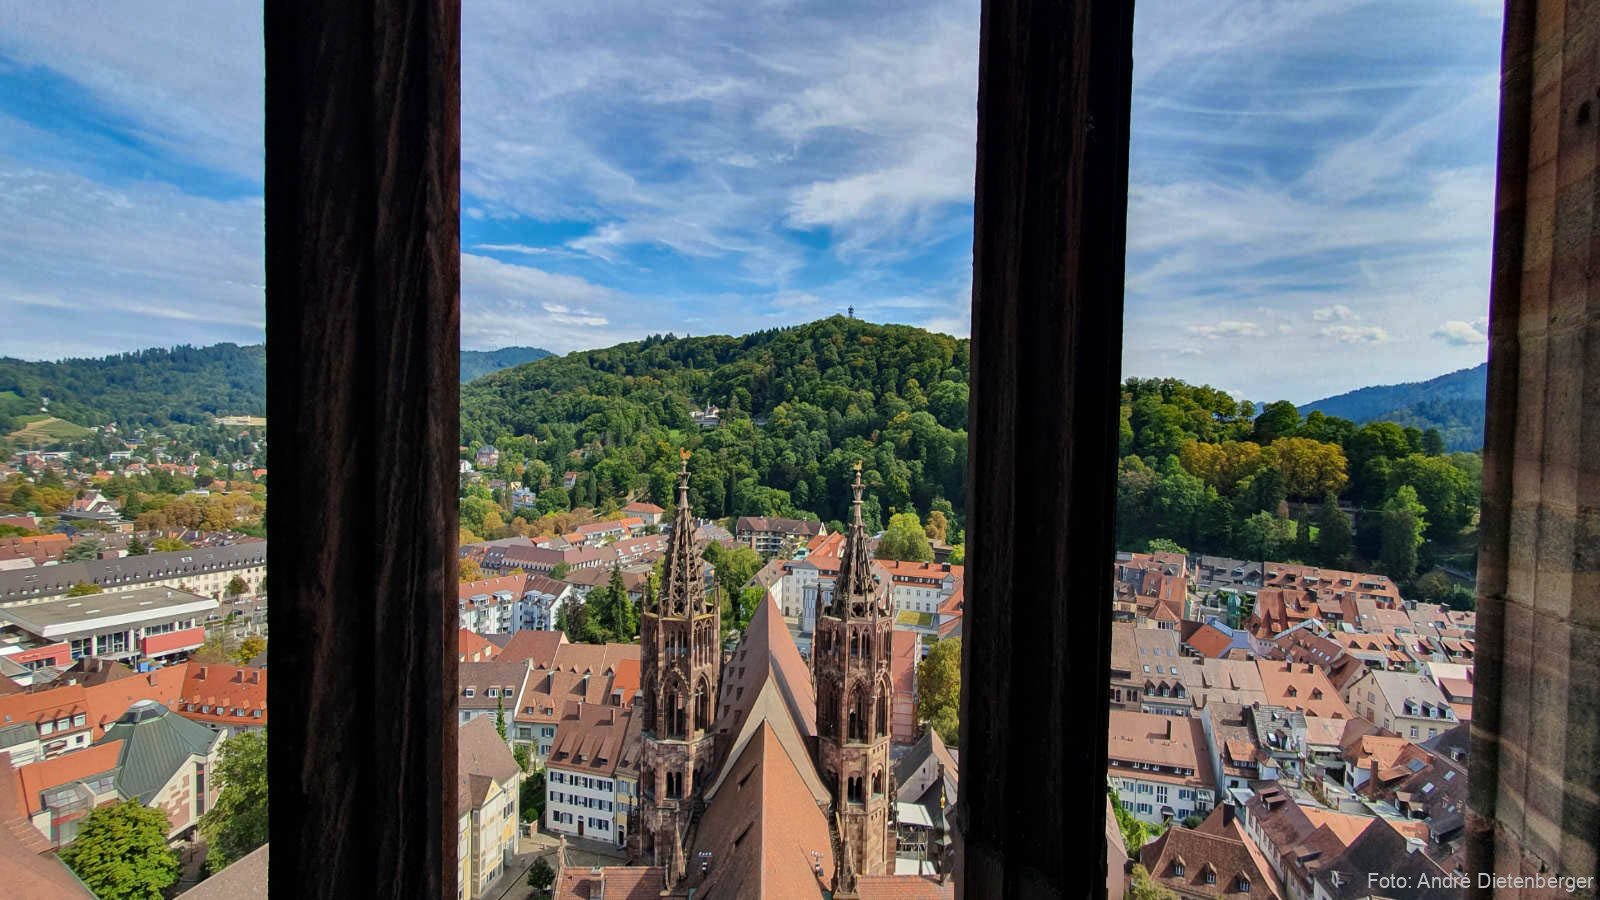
1536,724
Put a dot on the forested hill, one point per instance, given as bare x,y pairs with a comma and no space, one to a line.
147,387
799,406
1451,403
478,363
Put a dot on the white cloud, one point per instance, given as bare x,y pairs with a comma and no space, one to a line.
1356,334
1335,313
137,266
1228,329
1463,334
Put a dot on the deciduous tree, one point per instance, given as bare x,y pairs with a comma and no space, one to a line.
939,689
121,852
905,539
237,824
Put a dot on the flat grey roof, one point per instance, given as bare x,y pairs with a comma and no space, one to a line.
37,617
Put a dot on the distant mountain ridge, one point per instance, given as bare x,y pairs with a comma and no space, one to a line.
477,363
1453,403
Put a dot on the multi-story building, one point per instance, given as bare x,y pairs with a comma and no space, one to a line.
490,689
1406,703
141,623
489,782
207,571
767,534
592,773
1159,767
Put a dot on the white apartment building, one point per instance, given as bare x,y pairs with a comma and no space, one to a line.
201,570
591,775
1159,766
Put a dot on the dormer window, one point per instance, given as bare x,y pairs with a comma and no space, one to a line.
469,692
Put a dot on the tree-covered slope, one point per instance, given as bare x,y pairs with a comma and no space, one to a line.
478,363
1451,403
799,406
148,387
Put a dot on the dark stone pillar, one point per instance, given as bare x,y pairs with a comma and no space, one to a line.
1054,87
363,278
1536,721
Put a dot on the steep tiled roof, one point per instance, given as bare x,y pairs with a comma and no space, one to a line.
904,887
30,870
474,647
480,752
497,674
223,694
766,652
590,738
36,778
612,883
537,647
1204,864
243,879
1301,687
764,827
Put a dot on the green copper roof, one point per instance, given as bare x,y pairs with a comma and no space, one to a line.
157,744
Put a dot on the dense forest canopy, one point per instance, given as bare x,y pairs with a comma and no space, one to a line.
181,385
799,405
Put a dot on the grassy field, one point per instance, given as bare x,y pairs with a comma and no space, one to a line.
42,431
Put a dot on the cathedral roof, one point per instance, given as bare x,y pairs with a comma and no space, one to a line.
766,653
764,828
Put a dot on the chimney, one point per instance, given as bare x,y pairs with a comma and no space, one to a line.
1169,727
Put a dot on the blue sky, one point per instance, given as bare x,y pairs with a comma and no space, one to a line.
1310,207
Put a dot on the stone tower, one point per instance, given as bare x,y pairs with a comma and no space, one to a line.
850,665
680,662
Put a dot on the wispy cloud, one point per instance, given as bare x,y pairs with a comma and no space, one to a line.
633,167
1463,334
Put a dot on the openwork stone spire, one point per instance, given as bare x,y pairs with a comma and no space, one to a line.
856,591
683,582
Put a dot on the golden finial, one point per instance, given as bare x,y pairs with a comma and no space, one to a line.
685,452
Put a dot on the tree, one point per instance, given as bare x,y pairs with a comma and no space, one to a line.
1433,442
237,824
1142,887
121,852
1310,468
218,648
905,539
88,548
83,589
500,716
1402,529
1265,536
532,796
238,587
573,618
137,547
958,555
1334,538
939,689
1277,420
251,647
938,526
470,570
1164,545
749,598
541,876
519,752
168,545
